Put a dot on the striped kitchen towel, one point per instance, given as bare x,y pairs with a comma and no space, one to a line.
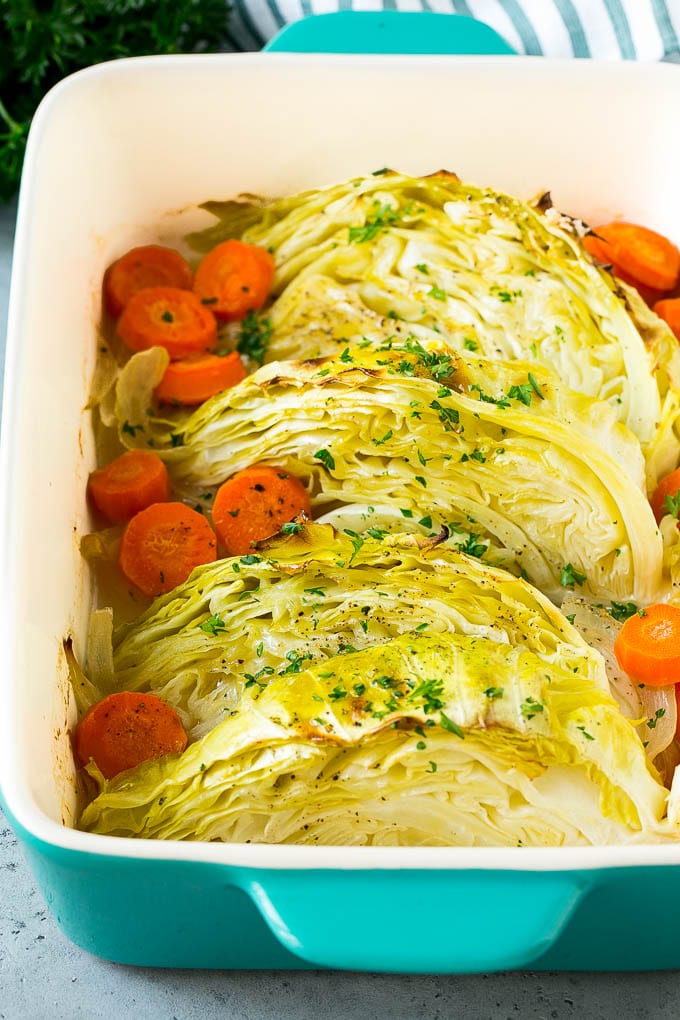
606,29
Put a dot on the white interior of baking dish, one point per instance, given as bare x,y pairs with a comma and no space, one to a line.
121,154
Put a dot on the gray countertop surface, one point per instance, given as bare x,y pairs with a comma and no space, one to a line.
42,975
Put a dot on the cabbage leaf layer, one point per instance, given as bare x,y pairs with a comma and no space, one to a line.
239,623
542,472
442,259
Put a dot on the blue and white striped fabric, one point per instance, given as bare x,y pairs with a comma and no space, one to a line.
606,29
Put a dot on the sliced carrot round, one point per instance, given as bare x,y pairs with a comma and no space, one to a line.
668,309
192,380
648,646
128,484
255,504
234,279
162,544
168,317
648,258
125,729
602,253
667,488
149,265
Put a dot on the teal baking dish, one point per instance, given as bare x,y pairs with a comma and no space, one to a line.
106,166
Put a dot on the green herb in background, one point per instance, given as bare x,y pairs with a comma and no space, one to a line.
42,42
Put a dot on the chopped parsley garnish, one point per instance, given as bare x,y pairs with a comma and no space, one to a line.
521,393
295,661
346,356
429,691
585,733
447,415
406,513
338,693
254,678
132,430
291,528
569,576
473,547
450,726
651,723
213,625
535,387
469,344
494,692
383,217
433,767
254,336
249,559
379,442
439,365
319,592
423,482
438,293
530,707
671,505
326,459
622,610
425,522
357,542
498,401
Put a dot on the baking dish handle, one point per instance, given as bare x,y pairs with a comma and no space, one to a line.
388,32
424,921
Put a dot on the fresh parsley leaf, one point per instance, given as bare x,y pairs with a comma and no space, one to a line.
291,528
326,459
213,625
254,336
382,217
569,576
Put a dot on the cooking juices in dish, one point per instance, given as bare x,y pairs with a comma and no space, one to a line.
375,475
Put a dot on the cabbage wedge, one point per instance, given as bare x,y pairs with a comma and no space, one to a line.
448,739
442,259
546,474
315,594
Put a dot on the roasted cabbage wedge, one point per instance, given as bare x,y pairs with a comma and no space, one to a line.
544,474
424,739
316,594
439,258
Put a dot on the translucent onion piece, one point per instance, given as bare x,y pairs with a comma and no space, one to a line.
655,707
99,663
660,712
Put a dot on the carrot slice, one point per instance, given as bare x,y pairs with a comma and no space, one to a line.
667,489
648,646
254,504
150,265
648,258
602,253
125,729
128,484
668,309
234,279
162,544
192,380
168,317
